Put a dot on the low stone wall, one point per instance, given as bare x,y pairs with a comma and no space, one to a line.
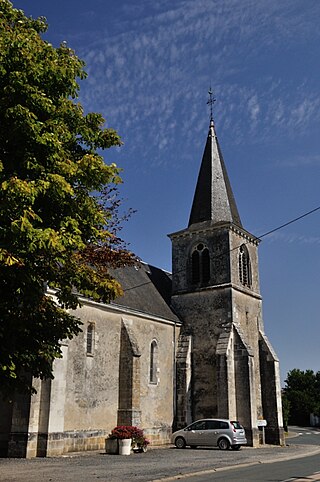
31,445
80,441
54,444
159,435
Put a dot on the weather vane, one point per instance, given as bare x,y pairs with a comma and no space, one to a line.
210,102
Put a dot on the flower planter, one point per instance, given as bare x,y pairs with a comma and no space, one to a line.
111,446
125,446
129,437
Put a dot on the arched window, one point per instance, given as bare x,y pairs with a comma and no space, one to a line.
153,362
90,339
195,267
244,266
205,258
200,264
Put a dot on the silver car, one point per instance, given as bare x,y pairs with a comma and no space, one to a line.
215,432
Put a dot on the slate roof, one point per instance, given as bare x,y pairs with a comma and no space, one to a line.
147,289
213,199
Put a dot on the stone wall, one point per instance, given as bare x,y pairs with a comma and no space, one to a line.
94,391
113,385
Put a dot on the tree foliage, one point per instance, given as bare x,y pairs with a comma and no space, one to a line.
302,392
286,406
58,204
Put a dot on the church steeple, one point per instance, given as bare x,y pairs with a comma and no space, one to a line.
222,350
213,199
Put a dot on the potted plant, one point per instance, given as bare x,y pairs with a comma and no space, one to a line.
111,444
123,434
125,437
139,441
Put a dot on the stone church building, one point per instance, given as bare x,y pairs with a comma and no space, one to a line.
173,349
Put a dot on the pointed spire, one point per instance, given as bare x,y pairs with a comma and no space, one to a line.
213,199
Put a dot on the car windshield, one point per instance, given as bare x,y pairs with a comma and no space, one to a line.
236,425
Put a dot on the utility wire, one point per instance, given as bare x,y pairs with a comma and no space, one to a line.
237,247
290,222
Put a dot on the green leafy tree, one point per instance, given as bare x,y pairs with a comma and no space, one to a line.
58,208
302,390
317,390
285,411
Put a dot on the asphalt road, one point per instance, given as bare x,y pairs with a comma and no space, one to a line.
305,469
168,464
302,469
309,436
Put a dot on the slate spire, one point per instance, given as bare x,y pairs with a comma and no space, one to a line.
213,199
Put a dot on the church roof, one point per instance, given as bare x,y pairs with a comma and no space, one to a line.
147,289
213,199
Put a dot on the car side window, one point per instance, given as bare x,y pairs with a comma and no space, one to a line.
212,424
223,425
198,426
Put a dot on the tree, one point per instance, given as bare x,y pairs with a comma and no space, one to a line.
58,207
286,405
302,391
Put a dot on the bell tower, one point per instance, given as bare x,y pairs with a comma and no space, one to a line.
226,366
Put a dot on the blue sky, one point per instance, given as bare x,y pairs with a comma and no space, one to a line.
150,65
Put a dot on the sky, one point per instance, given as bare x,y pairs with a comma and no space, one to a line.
150,66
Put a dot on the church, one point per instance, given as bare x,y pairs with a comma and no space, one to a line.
173,349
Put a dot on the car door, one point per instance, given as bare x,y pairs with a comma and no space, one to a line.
196,433
211,433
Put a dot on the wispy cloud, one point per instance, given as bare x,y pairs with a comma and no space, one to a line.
297,161
254,109
156,66
293,238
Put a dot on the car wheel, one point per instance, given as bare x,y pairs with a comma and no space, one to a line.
235,447
223,444
180,443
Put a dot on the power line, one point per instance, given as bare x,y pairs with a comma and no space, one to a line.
290,222
237,247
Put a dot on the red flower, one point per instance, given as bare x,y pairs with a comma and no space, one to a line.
128,431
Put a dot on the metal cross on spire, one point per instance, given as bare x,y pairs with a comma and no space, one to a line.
210,102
